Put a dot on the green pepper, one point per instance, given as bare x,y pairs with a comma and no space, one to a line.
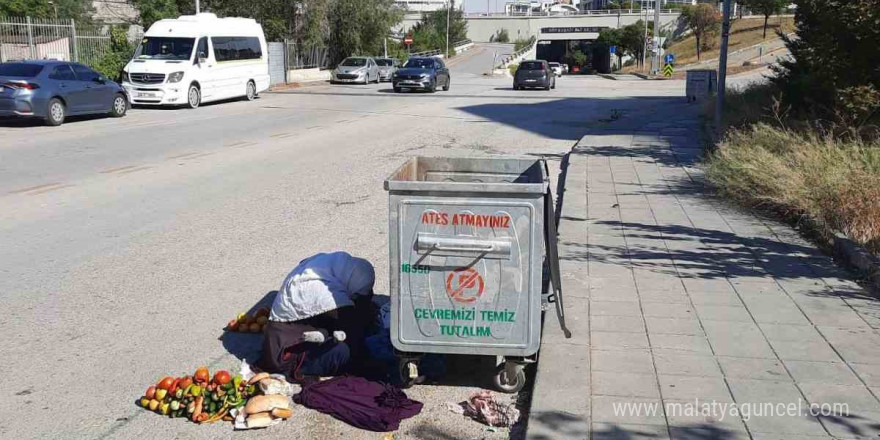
236,381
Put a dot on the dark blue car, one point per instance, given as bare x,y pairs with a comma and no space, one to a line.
53,90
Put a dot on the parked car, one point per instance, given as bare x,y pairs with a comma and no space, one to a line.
198,58
557,69
361,70
422,73
53,90
387,67
534,73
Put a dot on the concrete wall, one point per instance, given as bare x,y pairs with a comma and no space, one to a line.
480,29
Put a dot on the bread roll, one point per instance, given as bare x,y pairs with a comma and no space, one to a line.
258,377
259,420
258,404
282,413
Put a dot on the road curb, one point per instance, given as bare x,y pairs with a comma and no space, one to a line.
560,406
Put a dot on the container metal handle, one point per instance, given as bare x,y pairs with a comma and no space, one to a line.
462,246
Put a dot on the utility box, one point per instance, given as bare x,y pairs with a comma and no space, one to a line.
701,84
466,243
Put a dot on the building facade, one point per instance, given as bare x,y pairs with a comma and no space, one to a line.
427,5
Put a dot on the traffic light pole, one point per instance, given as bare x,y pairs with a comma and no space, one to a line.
722,68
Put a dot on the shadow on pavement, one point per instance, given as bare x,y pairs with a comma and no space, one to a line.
581,115
248,346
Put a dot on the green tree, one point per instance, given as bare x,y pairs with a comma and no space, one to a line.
79,10
114,60
766,8
359,27
430,32
834,74
151,11
703,20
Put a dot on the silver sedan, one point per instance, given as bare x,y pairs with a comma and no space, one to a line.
361,70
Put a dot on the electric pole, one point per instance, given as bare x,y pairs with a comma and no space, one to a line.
722,67
197,7
448,13
655,60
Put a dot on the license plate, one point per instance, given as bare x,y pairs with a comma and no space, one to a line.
145,95
531,80
410,83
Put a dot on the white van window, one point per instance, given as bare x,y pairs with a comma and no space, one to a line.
165,48
202,50
236,48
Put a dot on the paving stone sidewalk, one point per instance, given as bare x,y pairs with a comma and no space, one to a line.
677,300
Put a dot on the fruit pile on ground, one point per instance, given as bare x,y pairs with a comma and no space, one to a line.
199,397
246,323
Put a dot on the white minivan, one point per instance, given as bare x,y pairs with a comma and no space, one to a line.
198,58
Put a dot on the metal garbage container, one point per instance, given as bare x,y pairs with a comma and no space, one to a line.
466,241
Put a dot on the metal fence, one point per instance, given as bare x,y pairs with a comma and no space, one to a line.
26,38
307,57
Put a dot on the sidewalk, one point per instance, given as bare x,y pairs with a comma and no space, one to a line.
673,296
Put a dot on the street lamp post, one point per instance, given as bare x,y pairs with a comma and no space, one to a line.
56,9
722,67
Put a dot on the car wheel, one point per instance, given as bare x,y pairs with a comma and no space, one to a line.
120,106
433,87
251,92
553,86
55,112
193,97
396,89
446,86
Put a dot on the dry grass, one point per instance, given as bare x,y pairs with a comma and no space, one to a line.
744,33
836,181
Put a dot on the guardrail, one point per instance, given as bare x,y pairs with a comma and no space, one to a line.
602,12
508,59
427,53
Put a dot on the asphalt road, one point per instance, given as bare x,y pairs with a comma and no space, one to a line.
127,244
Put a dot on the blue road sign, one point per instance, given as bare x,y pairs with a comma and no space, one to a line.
670,59
612,49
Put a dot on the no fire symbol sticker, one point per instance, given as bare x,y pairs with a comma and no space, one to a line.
464,285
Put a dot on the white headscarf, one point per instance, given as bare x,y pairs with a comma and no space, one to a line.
322,283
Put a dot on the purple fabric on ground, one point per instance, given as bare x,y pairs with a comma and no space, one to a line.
360,403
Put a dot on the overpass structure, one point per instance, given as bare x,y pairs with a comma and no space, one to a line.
571,27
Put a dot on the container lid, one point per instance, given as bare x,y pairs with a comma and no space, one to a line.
462,174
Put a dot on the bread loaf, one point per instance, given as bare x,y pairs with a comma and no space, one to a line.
260,420
258,377
258,404
282,413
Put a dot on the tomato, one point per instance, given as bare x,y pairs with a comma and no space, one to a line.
174,386
151,392
185,381
165,383
222,377
202,375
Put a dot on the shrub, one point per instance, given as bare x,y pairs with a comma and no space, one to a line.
111,63
830,179
512,69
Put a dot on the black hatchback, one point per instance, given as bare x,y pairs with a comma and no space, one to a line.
534,73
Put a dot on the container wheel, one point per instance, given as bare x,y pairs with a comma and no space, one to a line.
409,373
506,382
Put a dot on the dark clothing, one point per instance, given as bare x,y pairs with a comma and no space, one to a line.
360,403
285,352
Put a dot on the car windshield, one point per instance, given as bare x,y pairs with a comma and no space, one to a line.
21,70
555,65
531,65
420,63
355,62
165,48
384,62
